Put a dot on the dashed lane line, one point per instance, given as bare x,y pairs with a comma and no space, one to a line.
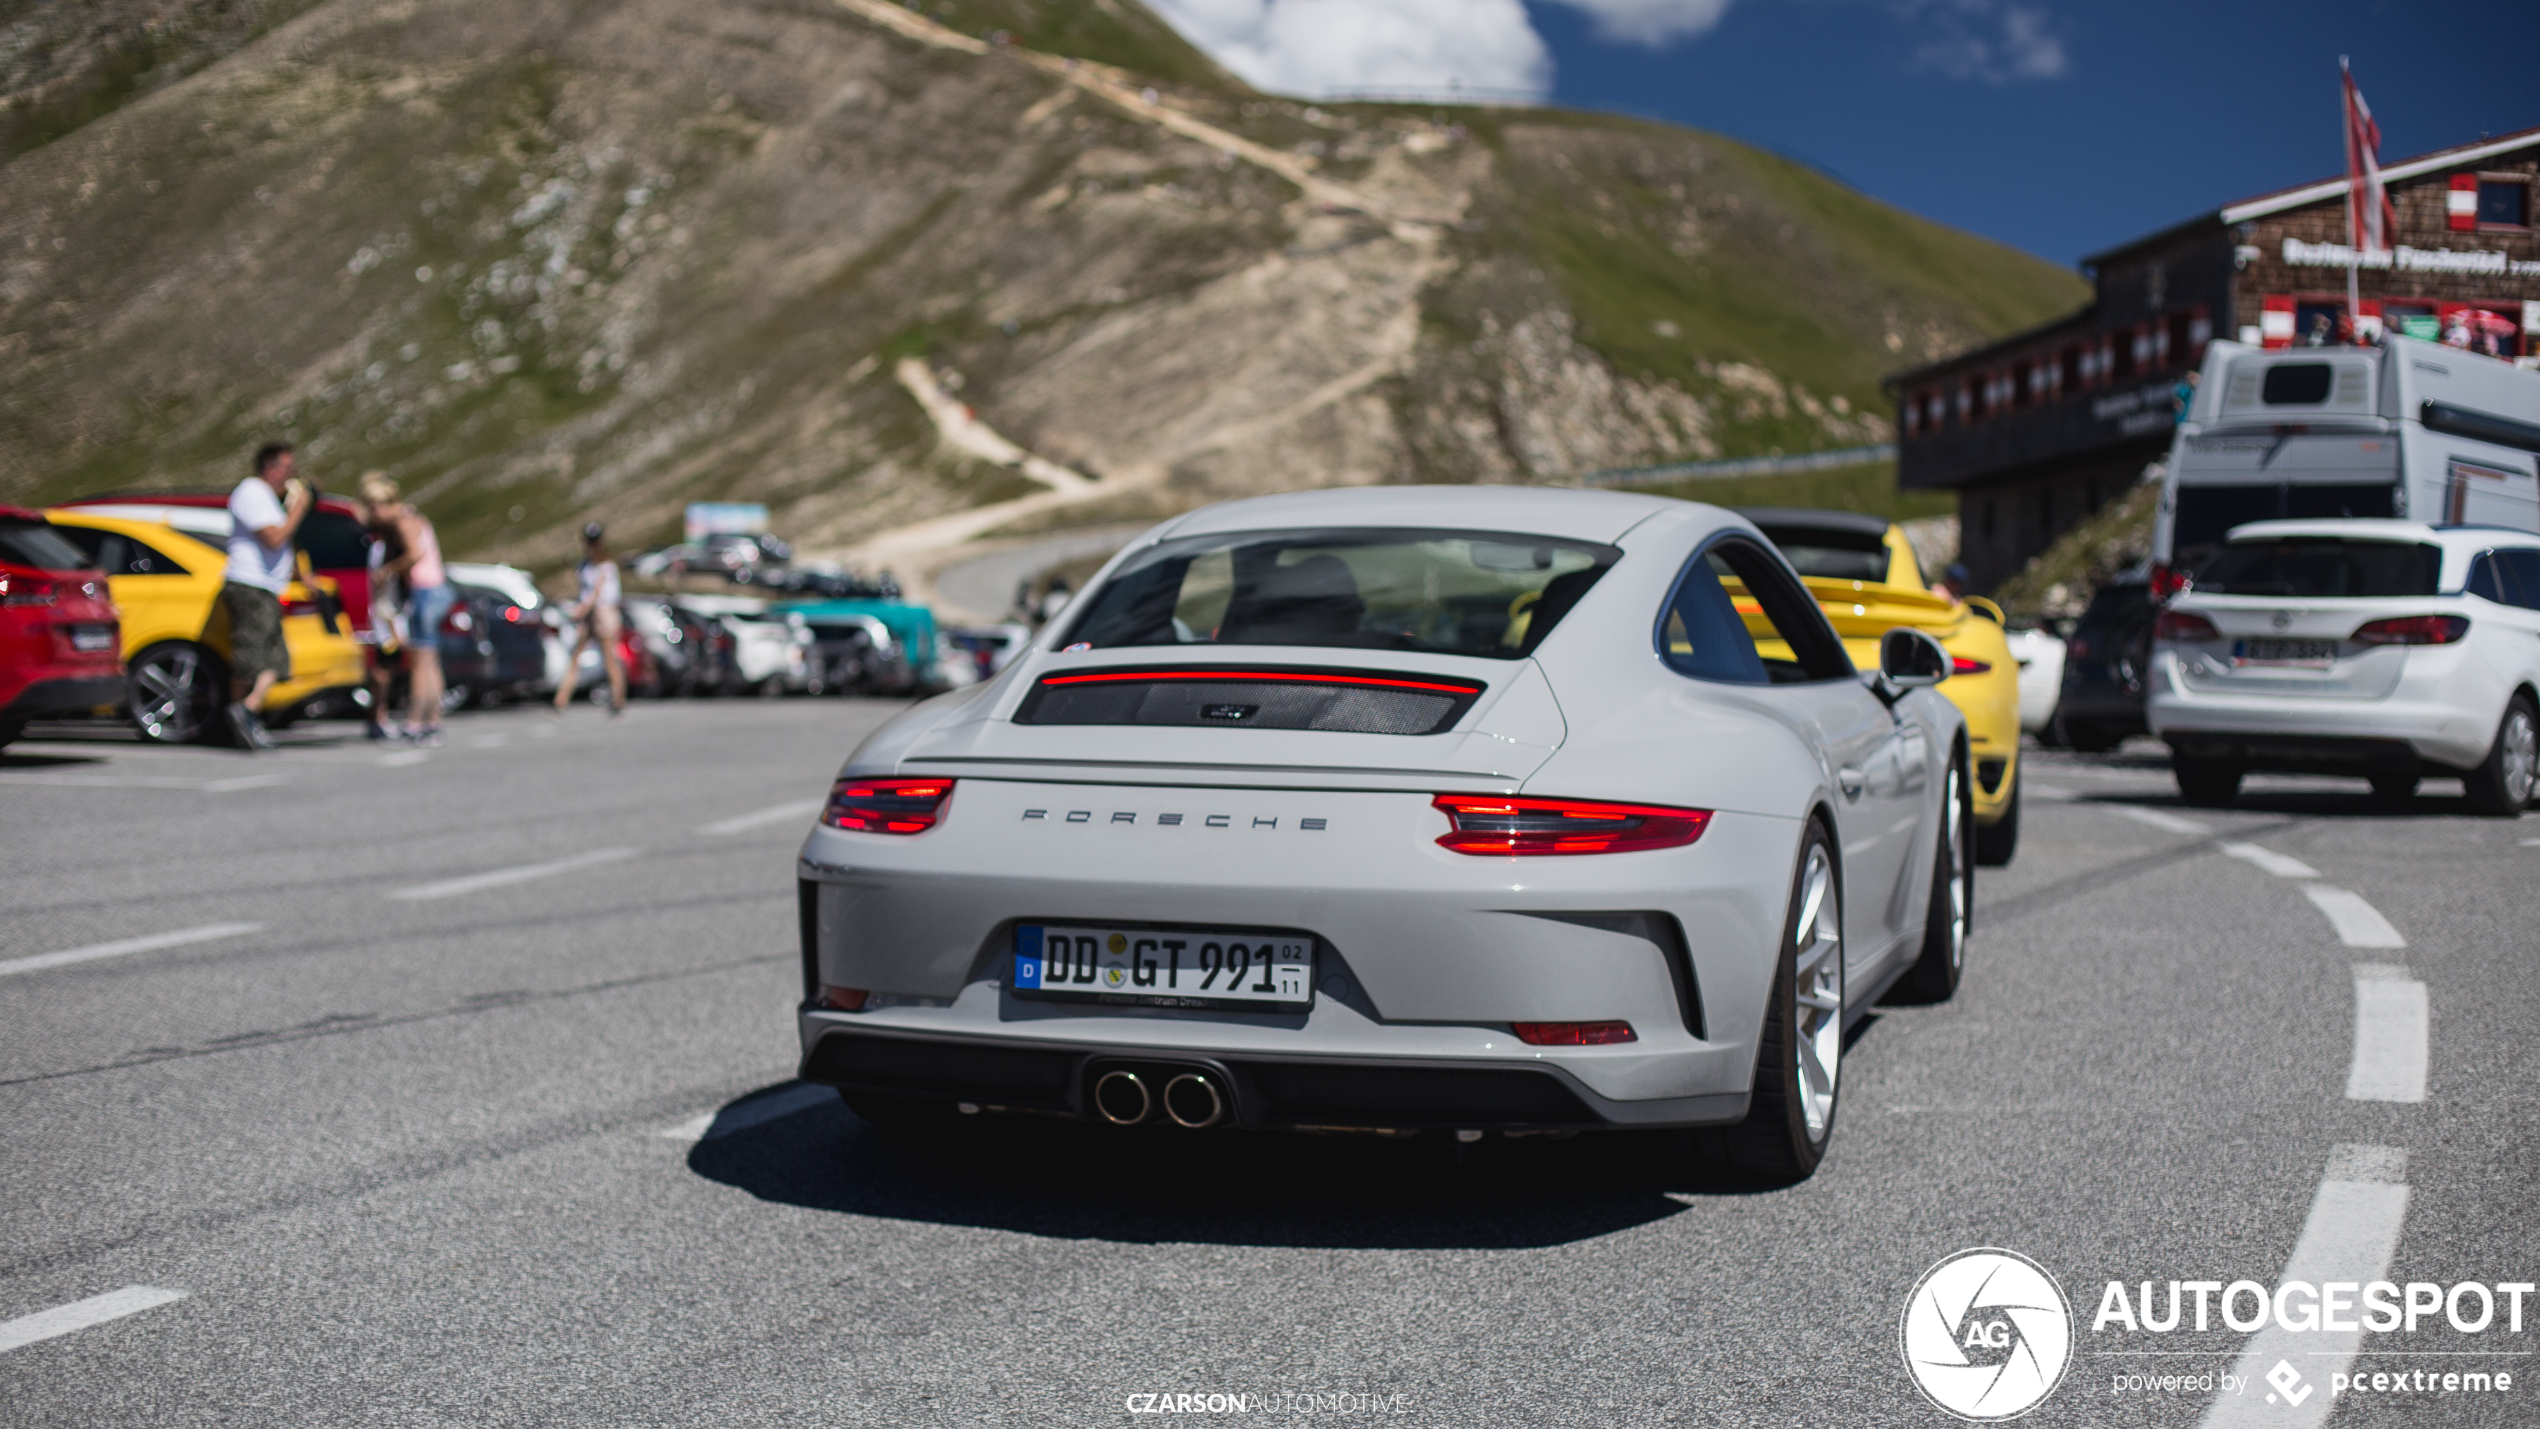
801,1096
2358,924
2281,865
148,943
80,1314
504,877
2352,1231
2167,823
2392,1036
145,781
742,823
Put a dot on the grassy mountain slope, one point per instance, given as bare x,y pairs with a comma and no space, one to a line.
546,259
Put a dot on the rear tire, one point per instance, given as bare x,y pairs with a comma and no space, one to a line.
1798,1056
1934,976
1995,846
2208,783
2092,738
2501,786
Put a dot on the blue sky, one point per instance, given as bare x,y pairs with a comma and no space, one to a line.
2057,127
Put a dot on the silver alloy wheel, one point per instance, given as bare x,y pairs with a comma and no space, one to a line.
165,694
1817,978
1955,850
2521,762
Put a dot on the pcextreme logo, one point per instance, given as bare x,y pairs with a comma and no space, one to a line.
1987,1334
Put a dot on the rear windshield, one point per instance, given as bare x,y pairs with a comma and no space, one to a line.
1838,555
2206,513
2323,566
39,548
1448,592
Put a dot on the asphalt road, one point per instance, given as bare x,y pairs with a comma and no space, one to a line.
469,1102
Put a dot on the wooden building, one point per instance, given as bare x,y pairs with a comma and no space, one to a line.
2040,429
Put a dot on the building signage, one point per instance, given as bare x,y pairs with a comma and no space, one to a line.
2145,409
2299,254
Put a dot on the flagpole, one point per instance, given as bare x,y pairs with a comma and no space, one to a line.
2354,225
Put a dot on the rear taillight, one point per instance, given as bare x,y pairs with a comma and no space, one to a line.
887,806
1494,824
2167,581
18,589
1573,1034
2181,625
1961,665
511,614
2412,630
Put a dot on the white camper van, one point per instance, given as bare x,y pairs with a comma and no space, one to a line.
2410,429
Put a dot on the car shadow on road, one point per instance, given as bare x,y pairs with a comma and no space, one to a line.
46,761
1061,1179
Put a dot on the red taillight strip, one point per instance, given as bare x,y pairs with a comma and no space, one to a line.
1486,824
1298,677
1961,665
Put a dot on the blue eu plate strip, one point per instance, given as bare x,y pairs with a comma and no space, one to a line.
1027,957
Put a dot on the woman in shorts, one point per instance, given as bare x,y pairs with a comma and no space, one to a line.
596,619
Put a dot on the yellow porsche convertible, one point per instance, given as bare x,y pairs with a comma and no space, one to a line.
1867,581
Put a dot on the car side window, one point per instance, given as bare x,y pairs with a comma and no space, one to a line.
2521,576
138,559
90,543
2482,578
1703,635
1738,616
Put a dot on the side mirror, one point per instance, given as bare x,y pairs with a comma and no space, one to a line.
1911,660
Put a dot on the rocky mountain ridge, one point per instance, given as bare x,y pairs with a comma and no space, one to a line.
550,259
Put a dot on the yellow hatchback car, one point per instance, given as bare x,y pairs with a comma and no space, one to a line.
165,581
1865,578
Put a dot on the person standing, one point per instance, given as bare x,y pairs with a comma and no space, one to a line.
596,619
265,512
415,564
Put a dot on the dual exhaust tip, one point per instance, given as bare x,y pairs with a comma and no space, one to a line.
1190,1099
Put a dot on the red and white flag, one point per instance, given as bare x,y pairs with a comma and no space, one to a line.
2369,216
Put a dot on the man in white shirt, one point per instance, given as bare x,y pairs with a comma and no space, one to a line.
264,514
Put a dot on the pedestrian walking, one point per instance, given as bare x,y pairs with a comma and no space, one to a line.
387,635
414,568
265,512
596,620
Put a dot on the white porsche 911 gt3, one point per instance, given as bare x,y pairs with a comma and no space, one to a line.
1455,808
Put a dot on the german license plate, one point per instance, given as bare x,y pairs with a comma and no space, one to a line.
2314,653
92,637
1164,967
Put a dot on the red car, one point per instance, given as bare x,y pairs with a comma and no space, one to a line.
61,648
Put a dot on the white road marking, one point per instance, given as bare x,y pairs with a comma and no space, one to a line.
2358,924
2531,843
501,877
209,932
404,759
2052,791
245,781
2392,1033
2167,823
2352,1231
740,822
2281,865
144,781
80,1314
802,1096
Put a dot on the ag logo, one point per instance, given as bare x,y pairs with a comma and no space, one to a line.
1986,1334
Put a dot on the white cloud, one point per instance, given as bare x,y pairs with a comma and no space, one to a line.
1986,39
1654,23
1320,47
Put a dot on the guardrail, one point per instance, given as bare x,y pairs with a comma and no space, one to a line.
1740,466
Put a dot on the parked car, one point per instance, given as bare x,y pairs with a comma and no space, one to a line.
850,654
331,536
1862,570
2390,650
2040,653
61,646
166,583
2101,703
908,663
1475,808
770,650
